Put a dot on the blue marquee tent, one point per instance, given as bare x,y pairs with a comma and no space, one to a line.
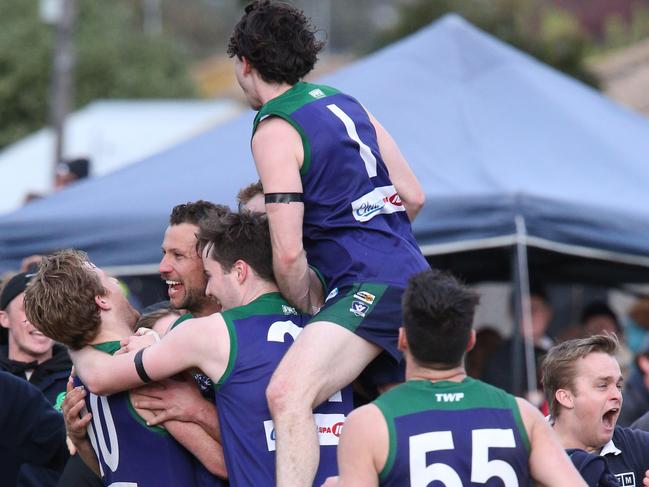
508,151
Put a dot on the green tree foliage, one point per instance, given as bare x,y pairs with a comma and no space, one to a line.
549,34
114,59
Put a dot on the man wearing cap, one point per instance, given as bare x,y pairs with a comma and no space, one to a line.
71,171
28,353
32,356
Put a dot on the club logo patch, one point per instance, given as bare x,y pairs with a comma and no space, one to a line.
359,308
365,297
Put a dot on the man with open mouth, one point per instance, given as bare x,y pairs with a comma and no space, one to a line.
583,381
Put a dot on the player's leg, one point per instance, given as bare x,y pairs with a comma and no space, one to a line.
325,358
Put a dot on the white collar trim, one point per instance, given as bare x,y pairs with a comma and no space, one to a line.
610,448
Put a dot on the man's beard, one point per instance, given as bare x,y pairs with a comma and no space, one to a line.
195,300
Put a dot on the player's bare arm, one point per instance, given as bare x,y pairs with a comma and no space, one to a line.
200,444
179,400
408,187
546,450
199,342
278,153
363,448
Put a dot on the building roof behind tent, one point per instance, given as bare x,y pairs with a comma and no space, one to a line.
111,133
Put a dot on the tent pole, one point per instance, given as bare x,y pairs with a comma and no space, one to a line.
523,315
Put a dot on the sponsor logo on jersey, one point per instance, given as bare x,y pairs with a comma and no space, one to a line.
359,309
335,429
381,200
332,294
328,426
626,479
365,297
317,93
288,310
449,397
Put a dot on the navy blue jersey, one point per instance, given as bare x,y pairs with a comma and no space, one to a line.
631,459
260,334
355,225
457,433
129,452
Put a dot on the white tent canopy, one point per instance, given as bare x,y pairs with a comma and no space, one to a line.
112,134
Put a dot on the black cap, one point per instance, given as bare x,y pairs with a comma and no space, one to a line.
14,287
79,167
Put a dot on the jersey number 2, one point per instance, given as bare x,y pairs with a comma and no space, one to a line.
277,333
482,469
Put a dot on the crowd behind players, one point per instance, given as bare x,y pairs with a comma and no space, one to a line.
29,355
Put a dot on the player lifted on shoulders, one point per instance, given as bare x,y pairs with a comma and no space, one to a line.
338,190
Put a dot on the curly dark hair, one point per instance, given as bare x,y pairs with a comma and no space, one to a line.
277,39
195,212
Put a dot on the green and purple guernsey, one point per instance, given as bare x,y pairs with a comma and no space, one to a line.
260,333
132,454
453,434
355,225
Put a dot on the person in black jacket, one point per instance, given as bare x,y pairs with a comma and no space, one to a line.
32,431
31,356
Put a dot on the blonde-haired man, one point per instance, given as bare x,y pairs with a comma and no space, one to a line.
582,381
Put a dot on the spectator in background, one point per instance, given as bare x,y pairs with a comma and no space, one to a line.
499,369
582,381
29,354
70,171
487,341
33,357
636,389
637,324
598,318
67,172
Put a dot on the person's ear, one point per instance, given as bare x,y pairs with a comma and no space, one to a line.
241,270
565,398
245,65
102,303
472,340
4,319
402,342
